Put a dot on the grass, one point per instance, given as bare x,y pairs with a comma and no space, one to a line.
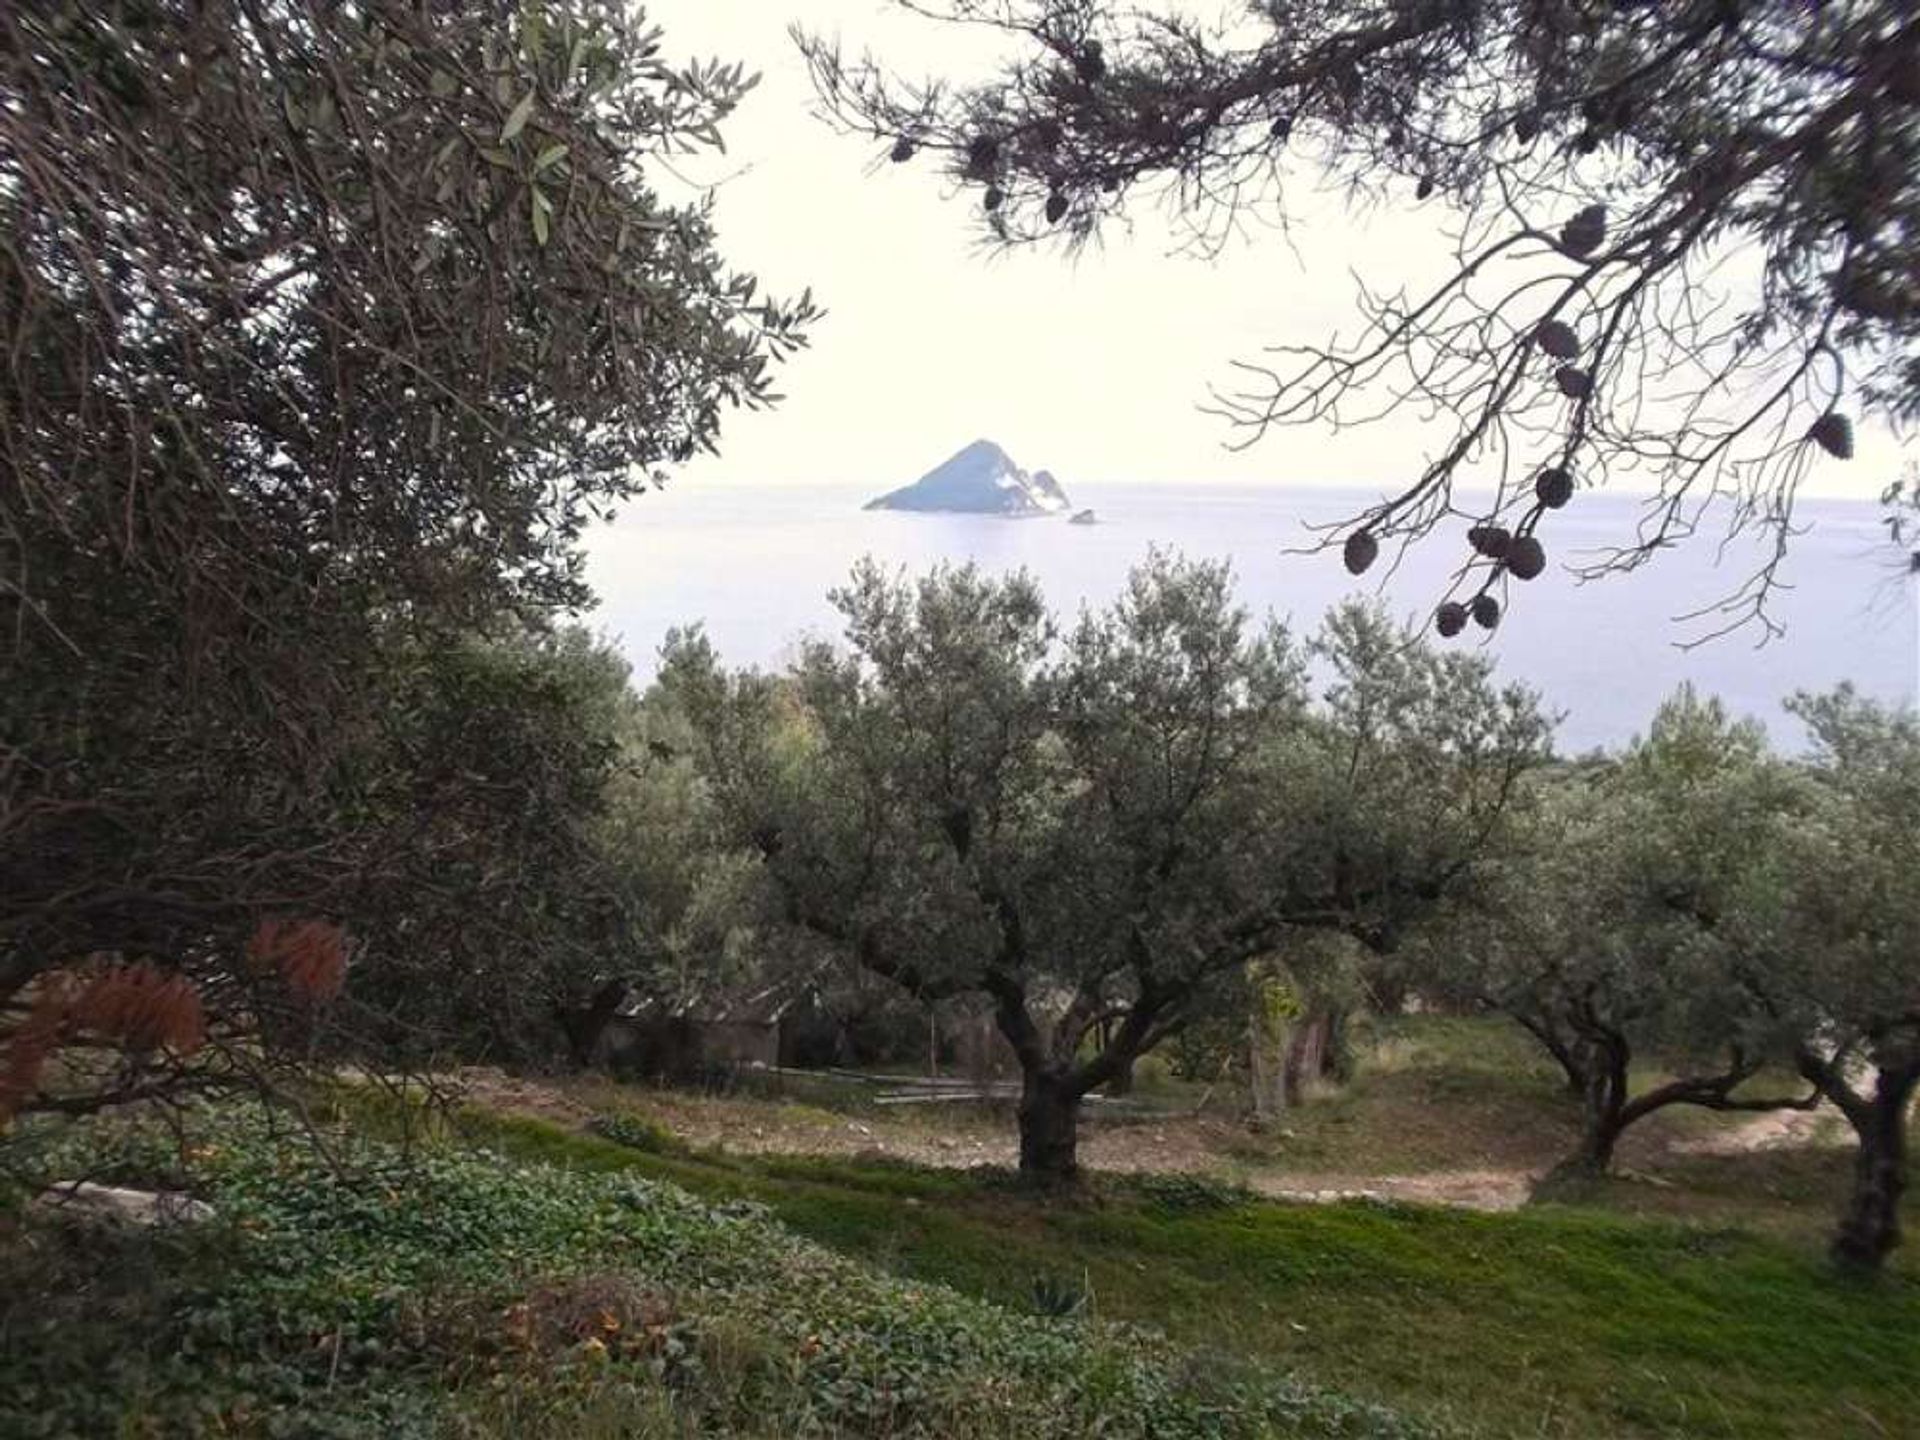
1500,1104
1562,1320
1548,1323
1448,1093
1696,1306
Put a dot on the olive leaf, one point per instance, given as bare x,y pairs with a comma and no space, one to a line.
517,117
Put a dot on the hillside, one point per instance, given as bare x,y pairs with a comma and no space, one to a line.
516,1273
371,1290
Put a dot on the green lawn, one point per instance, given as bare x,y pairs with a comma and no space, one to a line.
1699,1305
1559,1321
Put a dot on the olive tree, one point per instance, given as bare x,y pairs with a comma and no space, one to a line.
1633,928
1851,919
1679,238
329,329
1090,827
513,922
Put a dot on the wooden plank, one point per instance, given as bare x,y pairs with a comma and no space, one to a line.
944,1098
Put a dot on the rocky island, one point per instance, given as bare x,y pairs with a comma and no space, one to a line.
980,480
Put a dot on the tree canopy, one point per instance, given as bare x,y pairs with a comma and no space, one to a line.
329,329
1089,827
1850,917
1681,235
1631,924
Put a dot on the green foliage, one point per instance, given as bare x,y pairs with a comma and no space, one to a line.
1847,902
329,346
1060,1298
1704,903
1096,833
504,755
378,1288
1183,1192
1554,1322
1627,922
635,1132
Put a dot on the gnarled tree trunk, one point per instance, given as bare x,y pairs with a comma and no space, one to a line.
1567,1052
1266,1064
1121,1081
1869,1228
1306,1054
1049,1127
1603,1102
1609,1106
1315,1051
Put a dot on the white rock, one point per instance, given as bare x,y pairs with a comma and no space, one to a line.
129,1207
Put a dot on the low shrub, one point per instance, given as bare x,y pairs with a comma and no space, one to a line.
1061,1297
636,1133
1183,1192
361,1290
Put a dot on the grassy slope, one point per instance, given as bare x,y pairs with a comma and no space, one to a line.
457,1293
1561,1321
1564,1320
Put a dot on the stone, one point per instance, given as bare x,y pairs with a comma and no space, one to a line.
86,1200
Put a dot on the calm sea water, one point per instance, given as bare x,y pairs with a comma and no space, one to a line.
755,565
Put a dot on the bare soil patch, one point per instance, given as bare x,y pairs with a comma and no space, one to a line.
1420,1138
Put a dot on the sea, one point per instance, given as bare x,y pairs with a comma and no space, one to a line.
754,564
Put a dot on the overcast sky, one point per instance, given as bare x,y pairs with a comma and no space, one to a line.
1092,367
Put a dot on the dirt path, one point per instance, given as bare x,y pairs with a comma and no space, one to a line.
1491,1190
957,1139
1175,1144
1771,1130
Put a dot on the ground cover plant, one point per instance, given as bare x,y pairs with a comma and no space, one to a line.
366,1288
1685,1296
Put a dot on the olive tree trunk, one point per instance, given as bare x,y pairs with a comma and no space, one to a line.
1567,1052
1266,1068
1869,1228
1049,1127
1608,1106
1306,1055
1602,1068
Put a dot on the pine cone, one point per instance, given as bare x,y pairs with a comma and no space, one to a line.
1526,558
1490,540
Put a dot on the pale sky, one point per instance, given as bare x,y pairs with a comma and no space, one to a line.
1092,367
